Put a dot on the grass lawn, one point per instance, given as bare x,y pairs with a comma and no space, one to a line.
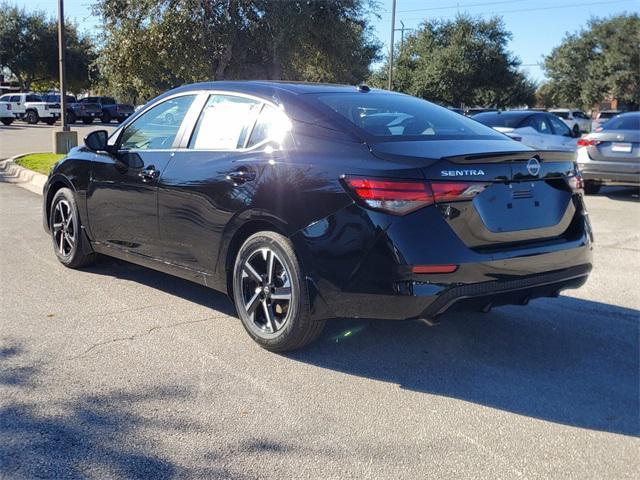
39,162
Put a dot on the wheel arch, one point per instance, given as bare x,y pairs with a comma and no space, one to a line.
234,240
55,184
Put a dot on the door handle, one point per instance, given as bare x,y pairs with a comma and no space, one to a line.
149,173
241,176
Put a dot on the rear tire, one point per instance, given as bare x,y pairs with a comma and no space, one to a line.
7,121
87,120
271,294
69,243
592,187
31,117
71,118
50,121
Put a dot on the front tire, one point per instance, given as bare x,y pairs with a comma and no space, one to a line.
271,295
66,231
87,120
7,121
106,117
50,121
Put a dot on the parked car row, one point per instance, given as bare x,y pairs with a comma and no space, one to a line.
611,155
539,130
33,108
28,107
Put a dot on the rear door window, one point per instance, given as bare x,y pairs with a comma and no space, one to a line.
271,125
559,127
541,124
224,123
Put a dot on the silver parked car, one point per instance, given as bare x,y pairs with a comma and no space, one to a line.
611,156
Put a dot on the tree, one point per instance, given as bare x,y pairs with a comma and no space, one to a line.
152,45
599,62
460,61
29,50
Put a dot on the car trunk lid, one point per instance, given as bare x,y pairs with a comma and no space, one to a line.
615,146
525,196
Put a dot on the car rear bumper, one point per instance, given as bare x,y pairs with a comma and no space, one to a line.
362,269
609,172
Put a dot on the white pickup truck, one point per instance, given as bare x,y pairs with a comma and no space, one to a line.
6,113
31,108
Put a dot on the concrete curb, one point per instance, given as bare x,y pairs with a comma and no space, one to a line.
11,172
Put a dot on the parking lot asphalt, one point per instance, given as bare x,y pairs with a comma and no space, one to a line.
20,137
116,371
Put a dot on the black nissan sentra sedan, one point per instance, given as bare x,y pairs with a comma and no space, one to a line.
308,202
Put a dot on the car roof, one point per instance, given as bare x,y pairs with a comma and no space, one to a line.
261,86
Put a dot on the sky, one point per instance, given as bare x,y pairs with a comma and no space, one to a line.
537,25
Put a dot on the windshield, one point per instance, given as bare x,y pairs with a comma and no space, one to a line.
497,119
564,115
402,117
623,122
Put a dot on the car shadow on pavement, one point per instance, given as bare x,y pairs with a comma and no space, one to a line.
178,287
105,435
565,360
624,194
568,361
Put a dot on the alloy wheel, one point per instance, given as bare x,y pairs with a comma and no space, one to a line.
266,290
64,228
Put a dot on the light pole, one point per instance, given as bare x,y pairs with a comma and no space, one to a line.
393,29
65,139
61,63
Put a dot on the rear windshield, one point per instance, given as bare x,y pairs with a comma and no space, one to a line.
564,115
402,117
623,122
496,119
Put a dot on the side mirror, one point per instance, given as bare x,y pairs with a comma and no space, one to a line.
97,141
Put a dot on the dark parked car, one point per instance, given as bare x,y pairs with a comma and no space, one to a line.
308,202
87,112
611,156
111,110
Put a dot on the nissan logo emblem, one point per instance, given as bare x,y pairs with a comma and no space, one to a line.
533,167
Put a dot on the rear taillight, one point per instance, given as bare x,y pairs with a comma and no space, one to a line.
587,142
392,196
400,197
